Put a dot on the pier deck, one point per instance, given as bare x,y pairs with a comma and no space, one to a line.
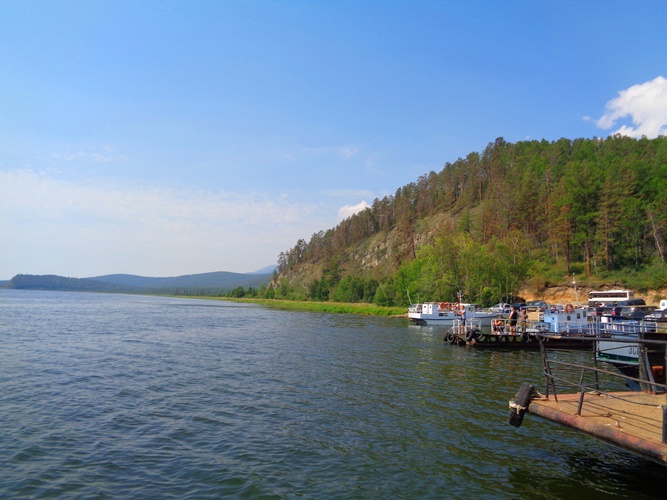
631,420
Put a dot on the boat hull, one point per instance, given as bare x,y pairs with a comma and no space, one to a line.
433,313
485,321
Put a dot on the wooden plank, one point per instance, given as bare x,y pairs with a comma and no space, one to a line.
632,420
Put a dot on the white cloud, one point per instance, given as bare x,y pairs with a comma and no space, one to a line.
349,210
645,104
54,226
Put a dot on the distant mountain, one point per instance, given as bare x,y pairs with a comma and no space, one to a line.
217,280
266,270
53,282
193,283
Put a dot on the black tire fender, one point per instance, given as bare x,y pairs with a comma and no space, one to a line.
519,404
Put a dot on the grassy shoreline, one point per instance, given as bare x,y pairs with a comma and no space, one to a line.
328,307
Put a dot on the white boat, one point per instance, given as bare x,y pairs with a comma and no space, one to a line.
618,346
569,319
445,313
618,353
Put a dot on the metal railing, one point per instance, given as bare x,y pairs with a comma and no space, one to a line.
646,372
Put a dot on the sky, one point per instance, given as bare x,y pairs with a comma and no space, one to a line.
164,138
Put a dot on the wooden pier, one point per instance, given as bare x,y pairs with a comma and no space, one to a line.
630,420
586,396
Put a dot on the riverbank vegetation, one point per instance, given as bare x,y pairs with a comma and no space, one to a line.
532,214
326,307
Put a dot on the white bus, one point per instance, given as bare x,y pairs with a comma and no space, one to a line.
609,297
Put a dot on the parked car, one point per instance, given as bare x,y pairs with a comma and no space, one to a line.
602,310
537,305
631,302
501,307
658,316
632,312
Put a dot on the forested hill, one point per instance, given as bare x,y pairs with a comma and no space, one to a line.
54,282
491,222
205,283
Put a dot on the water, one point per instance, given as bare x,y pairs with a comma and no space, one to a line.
118,396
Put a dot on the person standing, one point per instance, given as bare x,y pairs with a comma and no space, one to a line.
524,319
513,317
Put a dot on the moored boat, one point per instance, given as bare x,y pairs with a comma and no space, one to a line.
618,344
562,329
569,319
446,313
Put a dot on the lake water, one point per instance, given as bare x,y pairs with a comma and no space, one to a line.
120,396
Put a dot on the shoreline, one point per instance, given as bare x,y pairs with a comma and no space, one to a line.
327,307
552,295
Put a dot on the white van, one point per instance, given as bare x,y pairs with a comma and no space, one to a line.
663,304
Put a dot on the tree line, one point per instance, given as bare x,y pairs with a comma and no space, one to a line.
585,205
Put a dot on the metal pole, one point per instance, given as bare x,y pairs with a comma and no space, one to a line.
596,333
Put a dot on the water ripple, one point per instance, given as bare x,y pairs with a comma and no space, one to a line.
118,396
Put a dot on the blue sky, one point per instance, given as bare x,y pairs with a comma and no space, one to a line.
164,138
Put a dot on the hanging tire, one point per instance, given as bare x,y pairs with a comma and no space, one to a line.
519,404
479,335
470,334
450,337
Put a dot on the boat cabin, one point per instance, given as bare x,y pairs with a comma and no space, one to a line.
567,319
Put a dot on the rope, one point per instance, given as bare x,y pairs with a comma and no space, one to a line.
538,395
515,406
